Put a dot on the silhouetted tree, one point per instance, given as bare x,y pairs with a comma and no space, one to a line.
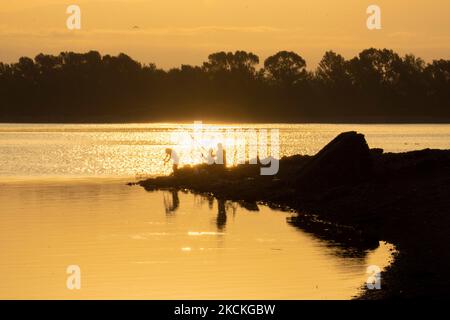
240,62
285,68
376,85
438,81
333,71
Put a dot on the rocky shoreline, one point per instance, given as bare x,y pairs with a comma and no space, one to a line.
401,198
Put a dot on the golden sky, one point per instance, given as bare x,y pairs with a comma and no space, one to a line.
172,32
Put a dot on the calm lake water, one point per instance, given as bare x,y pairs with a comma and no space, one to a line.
71,151
130,243
65,202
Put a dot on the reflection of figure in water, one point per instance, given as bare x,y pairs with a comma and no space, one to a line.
171,206
210,202
172,155
223,207
221,214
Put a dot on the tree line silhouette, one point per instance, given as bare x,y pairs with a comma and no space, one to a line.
377,85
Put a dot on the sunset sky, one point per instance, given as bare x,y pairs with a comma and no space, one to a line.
172,32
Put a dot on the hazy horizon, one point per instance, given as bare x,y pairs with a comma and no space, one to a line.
170,33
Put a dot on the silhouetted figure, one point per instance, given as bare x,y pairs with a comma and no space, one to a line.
172,155
210,156
172,205
221,155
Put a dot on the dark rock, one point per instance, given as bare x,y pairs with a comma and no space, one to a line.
345,160
376,151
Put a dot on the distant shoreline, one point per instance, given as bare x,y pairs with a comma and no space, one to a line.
375,86
220,122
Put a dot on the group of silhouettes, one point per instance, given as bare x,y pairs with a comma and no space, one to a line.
219,157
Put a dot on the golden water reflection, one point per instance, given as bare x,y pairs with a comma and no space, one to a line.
38,151
130,243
